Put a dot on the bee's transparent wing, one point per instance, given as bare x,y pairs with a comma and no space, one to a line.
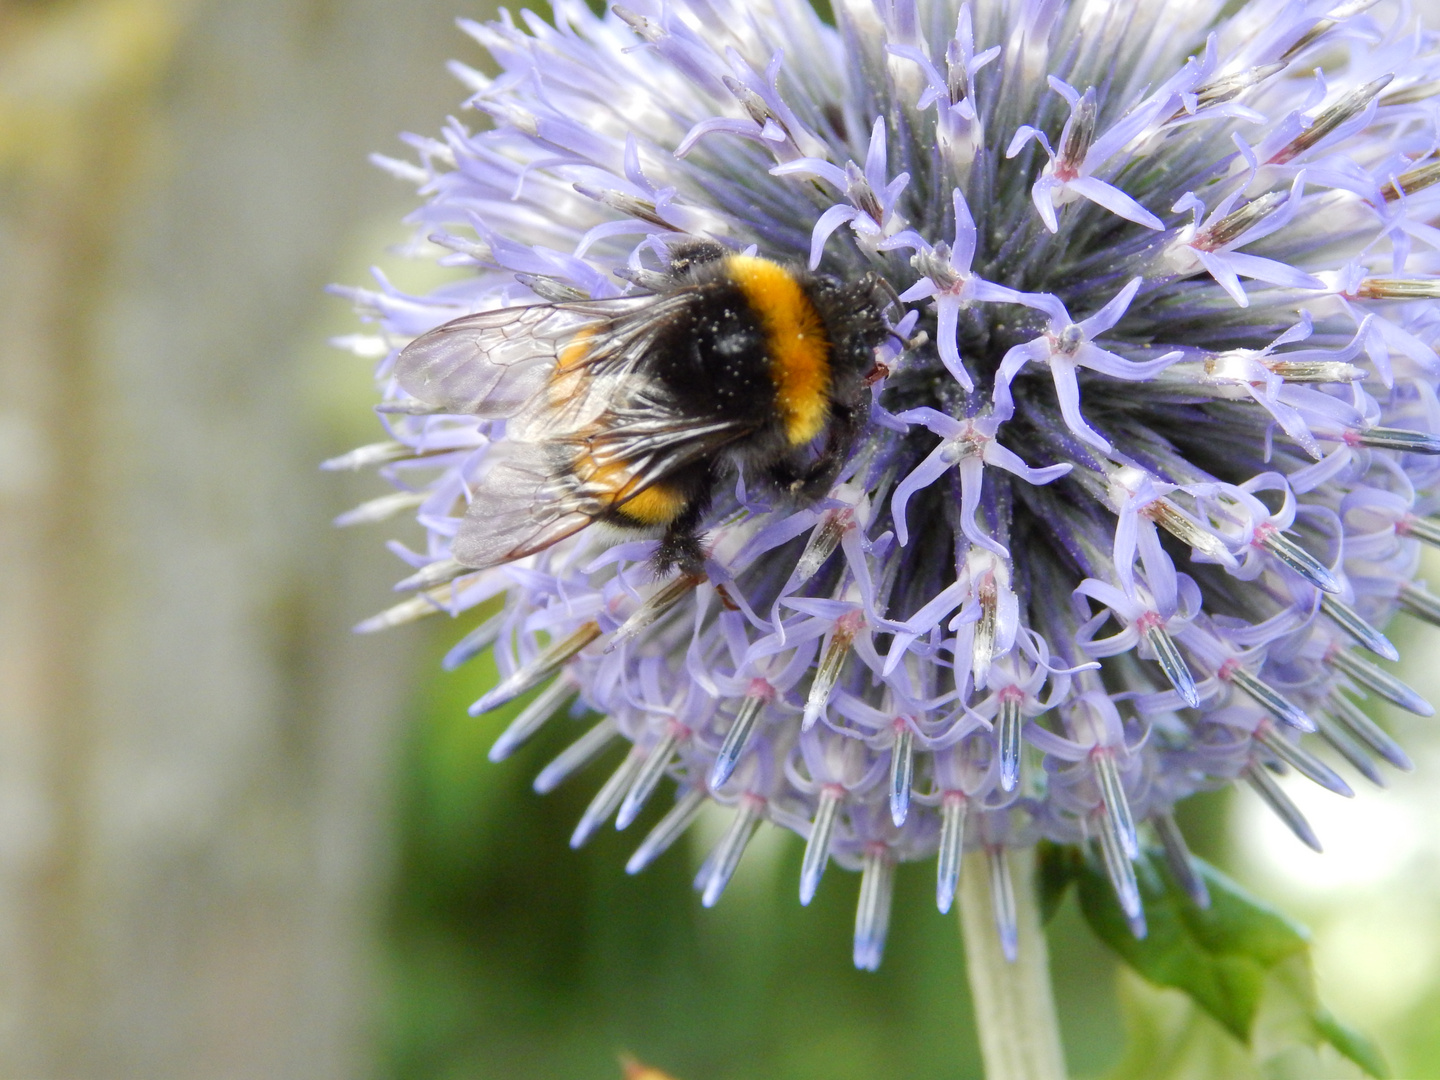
491,363
532,493
521,504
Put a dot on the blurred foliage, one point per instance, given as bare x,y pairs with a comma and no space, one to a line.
636,1070
1169,1037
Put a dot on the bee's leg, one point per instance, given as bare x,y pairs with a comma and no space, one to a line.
678,551
692,252
680,547
803,481
809,481
815,483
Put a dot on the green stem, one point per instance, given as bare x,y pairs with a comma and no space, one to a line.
1014,1006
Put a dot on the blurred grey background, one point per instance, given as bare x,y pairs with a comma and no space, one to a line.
196,755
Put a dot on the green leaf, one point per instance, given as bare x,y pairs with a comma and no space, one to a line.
1219,956
1057,867
1353,1044
1227,957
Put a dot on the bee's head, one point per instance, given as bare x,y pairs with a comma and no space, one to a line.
862,305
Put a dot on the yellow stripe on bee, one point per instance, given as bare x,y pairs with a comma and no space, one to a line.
575,351
656,505
795,335
659,504
568,376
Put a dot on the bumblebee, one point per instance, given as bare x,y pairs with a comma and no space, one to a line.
630,411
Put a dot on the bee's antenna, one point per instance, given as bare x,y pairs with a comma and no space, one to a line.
878,283
882,284
914,341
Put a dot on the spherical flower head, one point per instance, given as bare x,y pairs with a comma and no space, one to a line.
1151,442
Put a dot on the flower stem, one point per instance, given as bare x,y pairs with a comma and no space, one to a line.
1014,1006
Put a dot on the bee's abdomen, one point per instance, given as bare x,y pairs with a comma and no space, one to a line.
617,493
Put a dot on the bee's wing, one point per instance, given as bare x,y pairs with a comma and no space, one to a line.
521,504
491,363
532,493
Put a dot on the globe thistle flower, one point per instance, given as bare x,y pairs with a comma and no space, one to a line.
1153,442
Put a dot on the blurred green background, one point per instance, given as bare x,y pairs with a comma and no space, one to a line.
235,840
